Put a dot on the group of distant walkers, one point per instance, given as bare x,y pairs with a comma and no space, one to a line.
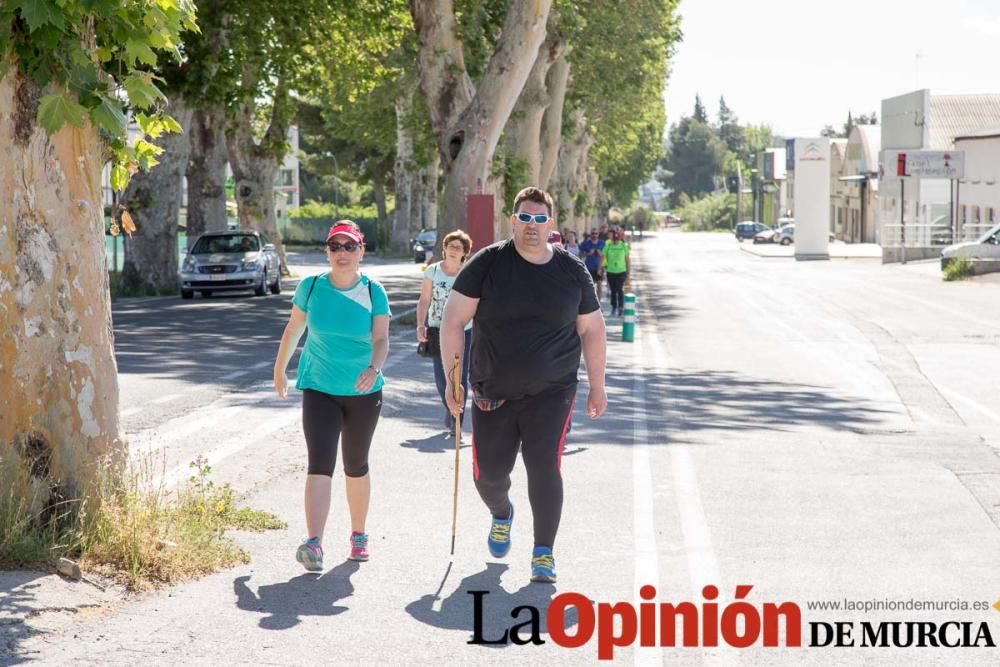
605,252
516,317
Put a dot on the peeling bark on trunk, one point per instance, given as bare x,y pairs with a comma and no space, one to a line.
58,378
378,190
206,173
255,165
425,197
524,128
592,187
467,121
405,173
556,82
153,199
570,156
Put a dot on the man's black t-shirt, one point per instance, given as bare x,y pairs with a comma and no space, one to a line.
524,339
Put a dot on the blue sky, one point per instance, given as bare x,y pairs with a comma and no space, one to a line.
800,64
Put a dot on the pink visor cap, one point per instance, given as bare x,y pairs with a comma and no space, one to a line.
347,231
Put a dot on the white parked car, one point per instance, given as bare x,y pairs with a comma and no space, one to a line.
230,261
986,246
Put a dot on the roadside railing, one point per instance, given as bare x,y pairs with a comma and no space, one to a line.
928,235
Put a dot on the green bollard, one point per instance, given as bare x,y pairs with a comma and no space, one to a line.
628,322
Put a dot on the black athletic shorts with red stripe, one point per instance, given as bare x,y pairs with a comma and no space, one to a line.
537,426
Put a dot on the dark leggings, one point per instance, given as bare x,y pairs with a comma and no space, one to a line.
616,283
537,426
325,417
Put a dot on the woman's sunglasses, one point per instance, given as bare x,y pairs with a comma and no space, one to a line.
350,246
539,219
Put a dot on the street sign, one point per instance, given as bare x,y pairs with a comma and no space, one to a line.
923,164
935,164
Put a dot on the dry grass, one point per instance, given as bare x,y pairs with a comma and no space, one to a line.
138,532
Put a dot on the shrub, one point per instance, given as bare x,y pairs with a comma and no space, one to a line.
958,268
713,211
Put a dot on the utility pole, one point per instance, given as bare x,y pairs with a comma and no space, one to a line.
739,194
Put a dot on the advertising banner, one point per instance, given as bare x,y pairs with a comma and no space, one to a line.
812,198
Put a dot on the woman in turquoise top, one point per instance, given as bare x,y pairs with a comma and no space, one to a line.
341,380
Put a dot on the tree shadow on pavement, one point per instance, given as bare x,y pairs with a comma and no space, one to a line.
682,403
17,593
198,340
306,595
456,612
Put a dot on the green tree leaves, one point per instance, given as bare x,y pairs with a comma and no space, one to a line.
58,109
109,116
37,13
139,50
92,58
141,91
696,157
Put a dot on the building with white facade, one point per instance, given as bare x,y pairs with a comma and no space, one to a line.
838,187
860,180
774,189
977,196
921,121
286,185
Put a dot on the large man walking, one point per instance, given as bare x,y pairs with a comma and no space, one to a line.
535,308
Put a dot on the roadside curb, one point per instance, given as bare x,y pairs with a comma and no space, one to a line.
771,255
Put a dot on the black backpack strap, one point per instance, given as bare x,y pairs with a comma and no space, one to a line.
311,288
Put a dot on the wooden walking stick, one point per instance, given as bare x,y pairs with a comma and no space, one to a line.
456,383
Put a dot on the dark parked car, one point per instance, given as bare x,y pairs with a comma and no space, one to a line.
425,240
229,262
749,229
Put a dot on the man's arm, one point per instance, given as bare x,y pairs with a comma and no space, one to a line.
593,341
458,312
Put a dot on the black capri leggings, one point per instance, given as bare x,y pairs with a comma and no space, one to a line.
325,417
616,283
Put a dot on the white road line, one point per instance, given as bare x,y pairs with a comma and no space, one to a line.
241,373
403,314
959,314
647,566
165,399
239,442
703,568
236,443
979,407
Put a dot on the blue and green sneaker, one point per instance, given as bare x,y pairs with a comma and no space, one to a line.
543,565
499,538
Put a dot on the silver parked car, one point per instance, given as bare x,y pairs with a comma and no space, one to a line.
228,262
986,246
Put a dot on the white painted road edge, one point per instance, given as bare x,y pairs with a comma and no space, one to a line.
703,568
647,566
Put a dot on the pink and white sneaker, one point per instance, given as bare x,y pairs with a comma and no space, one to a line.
359,546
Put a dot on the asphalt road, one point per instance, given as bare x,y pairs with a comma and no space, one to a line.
819,431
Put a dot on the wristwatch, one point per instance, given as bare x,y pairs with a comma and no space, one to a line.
377,370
